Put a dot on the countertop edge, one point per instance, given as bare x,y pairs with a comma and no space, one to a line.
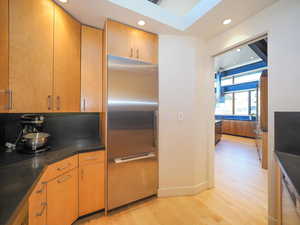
284,170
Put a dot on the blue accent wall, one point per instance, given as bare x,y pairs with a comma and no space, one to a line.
246,68
239,87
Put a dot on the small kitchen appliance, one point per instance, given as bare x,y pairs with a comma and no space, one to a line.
31,138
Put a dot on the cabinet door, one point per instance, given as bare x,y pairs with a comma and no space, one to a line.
62,199
119,39
3,55
37,205
146,48
66,62
91,188
31,54
91,69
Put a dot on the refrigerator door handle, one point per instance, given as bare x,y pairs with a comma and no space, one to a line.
129,159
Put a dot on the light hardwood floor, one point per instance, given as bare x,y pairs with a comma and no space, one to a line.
239,197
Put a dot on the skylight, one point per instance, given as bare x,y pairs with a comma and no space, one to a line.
177,14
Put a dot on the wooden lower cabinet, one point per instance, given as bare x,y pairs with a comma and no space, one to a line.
239,128
91,188
62,199
65,192
37,205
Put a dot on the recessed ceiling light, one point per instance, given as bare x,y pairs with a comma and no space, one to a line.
141,23
64,1
227,21
251,57
238,50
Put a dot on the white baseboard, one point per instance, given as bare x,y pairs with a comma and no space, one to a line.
182,190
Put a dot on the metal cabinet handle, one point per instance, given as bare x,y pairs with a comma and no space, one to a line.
44,204
137,53
9,98
131,52
58,103
63,168
63,179
82,174
126,159
41,190
49,102
84,104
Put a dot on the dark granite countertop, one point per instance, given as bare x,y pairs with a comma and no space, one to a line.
290,163
20,172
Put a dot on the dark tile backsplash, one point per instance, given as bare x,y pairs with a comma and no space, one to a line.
64,128
287,132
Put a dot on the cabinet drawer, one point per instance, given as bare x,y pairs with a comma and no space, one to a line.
37,205
91,157
61,167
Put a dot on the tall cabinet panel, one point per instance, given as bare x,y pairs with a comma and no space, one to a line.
67,34
31,55
91,69
4,55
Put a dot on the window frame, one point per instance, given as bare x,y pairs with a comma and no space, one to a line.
249,91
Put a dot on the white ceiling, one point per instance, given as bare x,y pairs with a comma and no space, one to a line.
94,13
234,58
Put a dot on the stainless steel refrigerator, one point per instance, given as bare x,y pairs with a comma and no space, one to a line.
131,131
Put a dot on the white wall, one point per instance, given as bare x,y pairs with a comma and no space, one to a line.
182,144
281,22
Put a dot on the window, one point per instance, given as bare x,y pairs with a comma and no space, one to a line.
226,81
247,78
241,103
253,102
226,107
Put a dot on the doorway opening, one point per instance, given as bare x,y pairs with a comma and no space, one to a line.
241,127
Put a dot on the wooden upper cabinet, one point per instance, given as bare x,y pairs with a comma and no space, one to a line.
67,35
119,39
31,54
4,56
62,199
91,69
126,41
146,46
